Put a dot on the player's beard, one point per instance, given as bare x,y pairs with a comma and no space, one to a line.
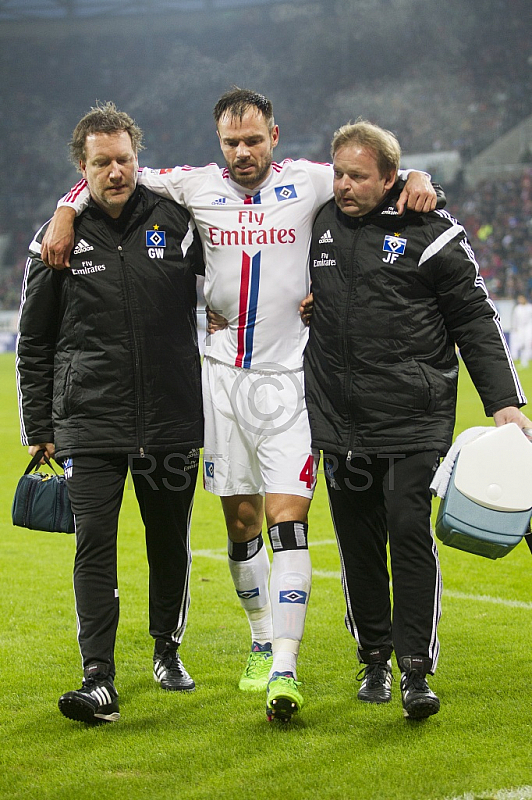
254,178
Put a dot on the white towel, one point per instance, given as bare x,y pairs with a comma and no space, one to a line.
442,476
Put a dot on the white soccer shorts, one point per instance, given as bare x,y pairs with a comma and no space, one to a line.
257,434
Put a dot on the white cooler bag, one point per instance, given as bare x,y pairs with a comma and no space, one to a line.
488,504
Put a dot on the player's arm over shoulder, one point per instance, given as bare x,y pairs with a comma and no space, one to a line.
418,193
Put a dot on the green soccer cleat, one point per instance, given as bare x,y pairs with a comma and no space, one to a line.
255,676
283,698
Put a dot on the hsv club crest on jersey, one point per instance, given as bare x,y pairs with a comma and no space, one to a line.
155,238
285,192
394,244
156,242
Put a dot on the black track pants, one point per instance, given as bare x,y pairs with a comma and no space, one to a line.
376,499
164,487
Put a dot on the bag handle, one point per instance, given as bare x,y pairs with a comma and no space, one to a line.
35,462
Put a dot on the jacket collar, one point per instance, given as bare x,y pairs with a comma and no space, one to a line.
383,214
141,202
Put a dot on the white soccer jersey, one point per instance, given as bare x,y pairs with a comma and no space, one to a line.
256,245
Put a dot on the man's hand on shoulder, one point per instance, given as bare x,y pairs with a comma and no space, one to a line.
59,239
418,194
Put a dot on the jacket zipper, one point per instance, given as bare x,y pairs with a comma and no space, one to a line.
351,279
136,359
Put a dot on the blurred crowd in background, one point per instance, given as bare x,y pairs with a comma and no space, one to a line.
443,76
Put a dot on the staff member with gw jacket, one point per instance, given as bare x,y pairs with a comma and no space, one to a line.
393,295
109,377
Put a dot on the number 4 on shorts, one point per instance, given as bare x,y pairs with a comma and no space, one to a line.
308,473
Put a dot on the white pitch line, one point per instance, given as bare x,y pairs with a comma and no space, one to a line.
325,573
218,555
221,555
521,793
486,598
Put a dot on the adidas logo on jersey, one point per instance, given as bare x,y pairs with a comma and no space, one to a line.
326,238
219,201
82,247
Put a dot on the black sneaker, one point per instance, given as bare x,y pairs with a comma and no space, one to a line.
376,683
419,701
96,702
168,669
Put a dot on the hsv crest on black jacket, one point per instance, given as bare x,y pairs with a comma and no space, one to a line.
392,297
107,355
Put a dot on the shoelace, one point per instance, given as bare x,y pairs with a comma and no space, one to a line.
171,660
291,681
254,659
91,683
374,673
415,680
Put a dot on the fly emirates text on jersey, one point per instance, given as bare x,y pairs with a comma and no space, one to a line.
258,235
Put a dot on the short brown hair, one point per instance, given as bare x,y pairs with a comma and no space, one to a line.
382,142
103,118
237,101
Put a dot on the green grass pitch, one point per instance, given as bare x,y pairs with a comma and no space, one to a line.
216,742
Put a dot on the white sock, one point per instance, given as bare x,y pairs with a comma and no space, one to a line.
289,591
260,622
250,578
285,652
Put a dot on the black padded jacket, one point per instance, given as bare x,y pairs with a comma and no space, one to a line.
393,297
107,355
